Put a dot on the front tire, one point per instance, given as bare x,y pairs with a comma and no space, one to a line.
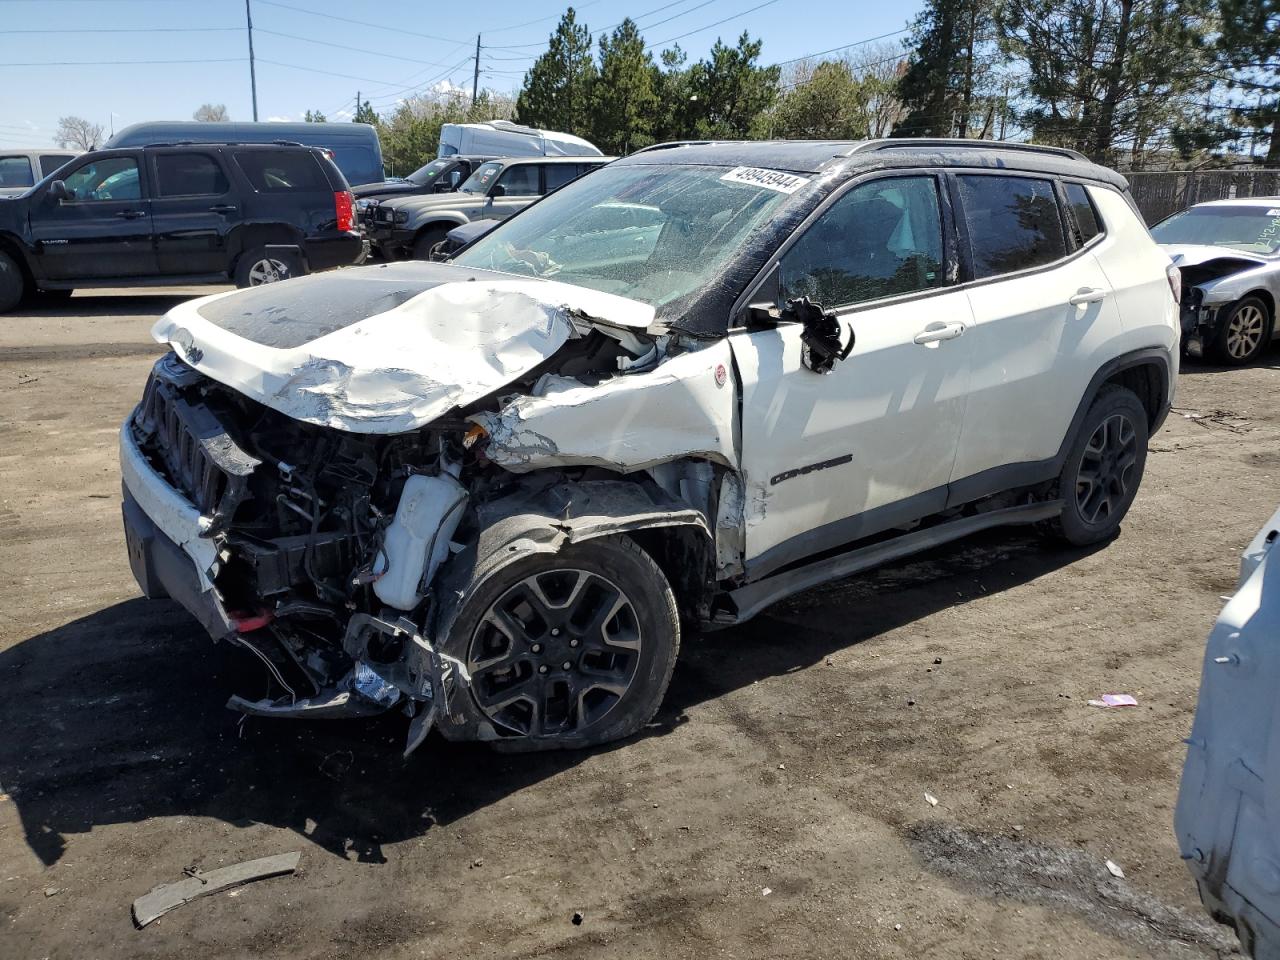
1244,332
426,241
13,285
571,649
1103,469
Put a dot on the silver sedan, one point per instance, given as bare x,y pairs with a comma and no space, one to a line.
1229,255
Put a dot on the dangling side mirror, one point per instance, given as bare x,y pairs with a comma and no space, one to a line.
821,336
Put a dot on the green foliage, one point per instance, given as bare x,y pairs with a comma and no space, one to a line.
1248,47
315,116
624,99
558,88
1104,75
410,136
824,102
947,87
731,93
365,114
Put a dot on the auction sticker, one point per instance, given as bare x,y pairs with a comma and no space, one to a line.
769,179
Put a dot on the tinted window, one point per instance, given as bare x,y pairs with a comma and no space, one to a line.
881,239
50,162
1082,209
558,174
111,178
520,181
15,172
1013,223
189,174
482,179
282,171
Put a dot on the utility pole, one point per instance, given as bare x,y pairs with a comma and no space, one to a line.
475,77
253,79
357,104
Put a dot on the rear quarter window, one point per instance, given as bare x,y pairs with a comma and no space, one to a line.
1013,223
1087,225
270,171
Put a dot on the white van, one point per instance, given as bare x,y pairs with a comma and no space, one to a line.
22,168
502,138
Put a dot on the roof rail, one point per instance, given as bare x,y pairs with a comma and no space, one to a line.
672,144
950,143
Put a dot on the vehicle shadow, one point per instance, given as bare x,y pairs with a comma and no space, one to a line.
118,717
1269,359
113,303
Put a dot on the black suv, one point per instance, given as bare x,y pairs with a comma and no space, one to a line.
178,213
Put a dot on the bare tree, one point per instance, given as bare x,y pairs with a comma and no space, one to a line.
77,133
877,68
210,112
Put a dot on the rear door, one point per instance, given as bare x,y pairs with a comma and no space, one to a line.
192,212
1042,310
289,188
833,457
103,229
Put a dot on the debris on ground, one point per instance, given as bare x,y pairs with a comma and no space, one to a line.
766,891
162,899
930,799
577,918
1114,700
52,891
1114,870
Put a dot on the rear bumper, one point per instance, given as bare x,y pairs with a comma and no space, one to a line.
167,554
340,250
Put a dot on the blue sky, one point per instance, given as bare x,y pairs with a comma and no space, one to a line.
392,49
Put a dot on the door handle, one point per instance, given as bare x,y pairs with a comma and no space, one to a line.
131,214
948,331
1086,295
223,208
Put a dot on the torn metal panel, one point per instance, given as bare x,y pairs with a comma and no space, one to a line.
442,337
162,899
326,705
685,407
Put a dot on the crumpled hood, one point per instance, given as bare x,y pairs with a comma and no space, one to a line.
1191,255
387,348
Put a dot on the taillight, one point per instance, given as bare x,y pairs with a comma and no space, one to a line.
344,209
1175,282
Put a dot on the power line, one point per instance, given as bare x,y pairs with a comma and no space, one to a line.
743,13
638,16
358,23
327,73
131,30
843,46
345,46
530,23
117,63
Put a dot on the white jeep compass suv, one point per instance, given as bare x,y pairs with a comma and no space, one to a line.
704,377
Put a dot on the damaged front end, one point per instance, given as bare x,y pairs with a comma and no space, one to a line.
338,557
1212,280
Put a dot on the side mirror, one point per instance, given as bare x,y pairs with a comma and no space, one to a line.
763,315
820,339
441,187
58,191
498,191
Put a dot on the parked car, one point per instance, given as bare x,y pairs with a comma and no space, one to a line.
1227,821
1229,255
459,237
412,226
354,147
439,176
247,213
701,379
502,138
21,169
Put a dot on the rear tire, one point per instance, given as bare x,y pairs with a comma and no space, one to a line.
256,269
13,285
424,242
570,649
1244,332
1103,469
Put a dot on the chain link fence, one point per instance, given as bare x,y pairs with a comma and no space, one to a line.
1160,194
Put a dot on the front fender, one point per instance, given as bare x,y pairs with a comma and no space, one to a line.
1231,288
421,218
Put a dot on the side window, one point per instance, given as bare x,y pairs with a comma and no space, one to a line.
49,162
520,180
282,171
111,178
15,172
1086,218
1013,223
558,174
189,175
881,239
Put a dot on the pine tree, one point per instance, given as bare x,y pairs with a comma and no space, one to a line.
365,114
945,87
1249,47
625,100
557,91
733,92
826,102
674,119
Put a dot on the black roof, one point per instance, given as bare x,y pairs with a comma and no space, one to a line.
818,156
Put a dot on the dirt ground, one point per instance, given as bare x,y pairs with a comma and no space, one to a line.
776,809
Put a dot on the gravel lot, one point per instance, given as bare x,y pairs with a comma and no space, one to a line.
777,808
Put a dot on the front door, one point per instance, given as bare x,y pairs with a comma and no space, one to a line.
829,458
102,229
192,211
